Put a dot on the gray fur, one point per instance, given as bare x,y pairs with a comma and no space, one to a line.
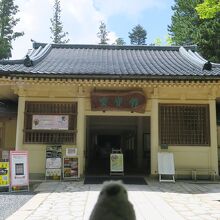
113,204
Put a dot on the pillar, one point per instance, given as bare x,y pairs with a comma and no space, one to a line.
213,136
154,135
139,141
80,141
20,123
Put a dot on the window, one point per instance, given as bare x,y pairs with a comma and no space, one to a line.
43,135
184,124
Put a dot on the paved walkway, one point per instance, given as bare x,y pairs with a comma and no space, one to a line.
156,201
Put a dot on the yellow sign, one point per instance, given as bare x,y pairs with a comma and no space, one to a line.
4,174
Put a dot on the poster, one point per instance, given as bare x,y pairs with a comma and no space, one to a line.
19,168
53,163
54,151
70,167
53,172
4,174
50,122
116,163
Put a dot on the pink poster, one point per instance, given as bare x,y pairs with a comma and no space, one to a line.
19,169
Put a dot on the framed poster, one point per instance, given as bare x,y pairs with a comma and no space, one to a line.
19,170
4,173
70,167
116,163
50,122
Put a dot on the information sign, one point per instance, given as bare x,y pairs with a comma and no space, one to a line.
70,167
4,173
116,163
53,161
50,122
19,170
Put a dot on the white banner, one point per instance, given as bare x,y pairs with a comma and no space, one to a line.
19,169
50,122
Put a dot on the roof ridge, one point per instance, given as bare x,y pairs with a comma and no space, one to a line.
36,45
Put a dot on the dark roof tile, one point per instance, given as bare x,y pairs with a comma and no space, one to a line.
110,60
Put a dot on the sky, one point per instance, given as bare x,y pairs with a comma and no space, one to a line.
81,19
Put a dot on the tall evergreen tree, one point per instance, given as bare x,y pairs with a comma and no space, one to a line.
187,28
138,35
56,25
103,33
8,10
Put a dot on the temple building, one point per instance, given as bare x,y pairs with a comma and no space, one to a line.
96,98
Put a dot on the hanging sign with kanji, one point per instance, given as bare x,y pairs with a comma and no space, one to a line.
134,101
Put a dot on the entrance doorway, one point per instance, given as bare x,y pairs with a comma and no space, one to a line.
129,134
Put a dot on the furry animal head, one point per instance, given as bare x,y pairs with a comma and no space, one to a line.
113,190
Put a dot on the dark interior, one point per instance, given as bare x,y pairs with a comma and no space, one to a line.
107,133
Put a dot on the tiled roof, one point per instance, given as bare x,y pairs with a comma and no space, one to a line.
64,60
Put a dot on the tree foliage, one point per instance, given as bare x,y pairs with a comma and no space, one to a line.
168,40
103,33
58,36
138,35
208,9
8,10
120,41
158,41
188,29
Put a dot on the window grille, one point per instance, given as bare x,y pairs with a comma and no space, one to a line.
50,136
184,124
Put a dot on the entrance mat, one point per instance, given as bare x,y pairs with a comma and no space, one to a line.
125,179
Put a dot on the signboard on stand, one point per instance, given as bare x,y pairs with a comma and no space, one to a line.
166,166
53,162
116,163
19,170
70,168
4,174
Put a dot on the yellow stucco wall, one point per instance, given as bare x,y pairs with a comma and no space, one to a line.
185,156
37,152
8,129
10,133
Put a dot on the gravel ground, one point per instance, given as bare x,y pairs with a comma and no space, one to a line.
11,202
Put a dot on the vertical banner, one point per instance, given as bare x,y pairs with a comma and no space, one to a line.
19,168
4,173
